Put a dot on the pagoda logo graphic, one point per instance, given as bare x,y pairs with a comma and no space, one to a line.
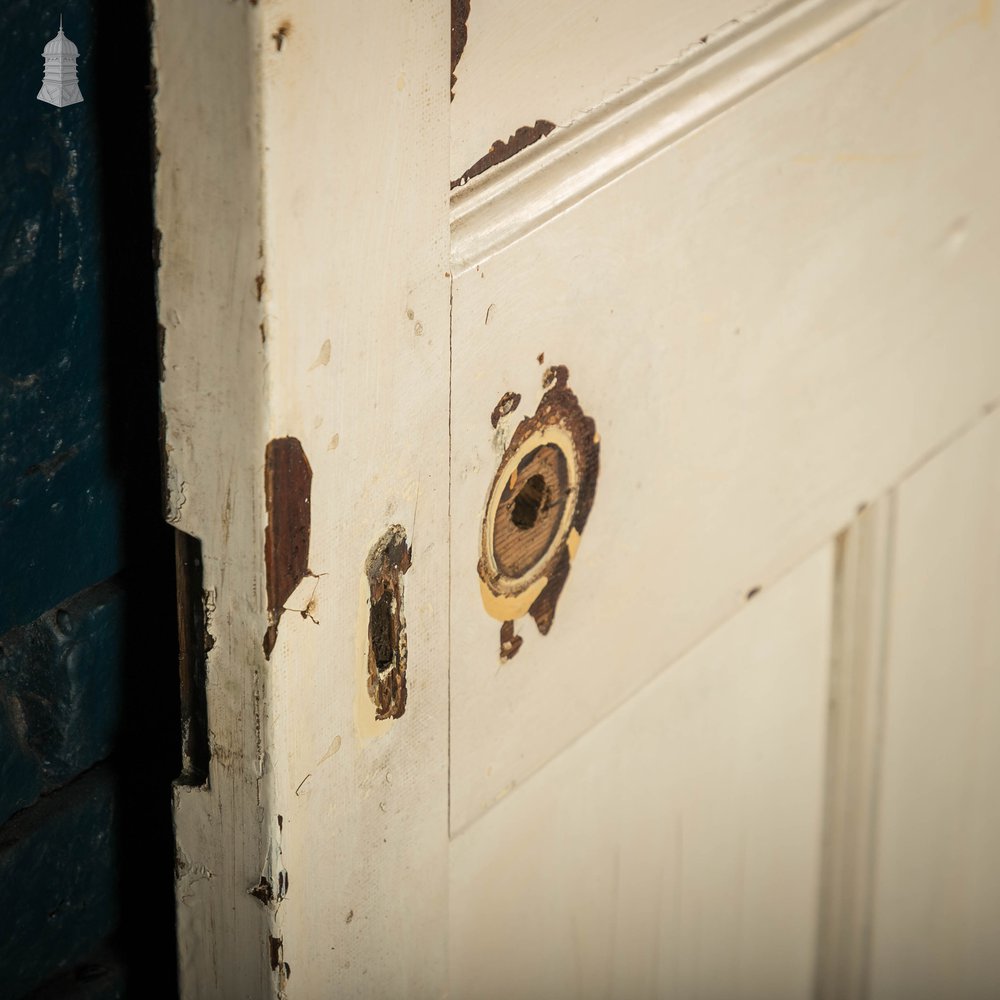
59,86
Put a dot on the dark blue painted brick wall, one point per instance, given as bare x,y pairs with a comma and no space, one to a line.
60,504
60,695
57,863
88,747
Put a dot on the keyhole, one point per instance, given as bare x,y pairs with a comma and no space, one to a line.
528,503
380,631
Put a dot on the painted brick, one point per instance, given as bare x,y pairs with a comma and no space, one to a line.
100,976
57,867
60,694
59,498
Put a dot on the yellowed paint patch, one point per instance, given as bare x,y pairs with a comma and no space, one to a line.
507,607
572,542
981,14
504,792
875,159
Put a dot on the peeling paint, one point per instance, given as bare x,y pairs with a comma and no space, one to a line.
276,949
509,402
388,560
536,510
459,35
502,150
262,891
287,488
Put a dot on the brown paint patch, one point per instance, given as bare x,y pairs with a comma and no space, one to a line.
388,560
459,35
508,404
536,510
509,642
259,282
525,136
287,489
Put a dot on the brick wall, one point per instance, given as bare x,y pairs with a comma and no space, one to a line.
88,691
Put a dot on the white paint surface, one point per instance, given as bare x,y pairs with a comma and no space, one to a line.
673,851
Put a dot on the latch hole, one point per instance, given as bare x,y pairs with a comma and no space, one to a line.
529,502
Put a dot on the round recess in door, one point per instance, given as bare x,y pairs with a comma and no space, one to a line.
536,510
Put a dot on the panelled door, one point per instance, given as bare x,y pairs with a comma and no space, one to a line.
594,469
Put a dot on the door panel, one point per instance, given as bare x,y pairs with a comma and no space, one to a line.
739,318
937,883
673,850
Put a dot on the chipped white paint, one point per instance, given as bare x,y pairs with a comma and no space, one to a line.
300,224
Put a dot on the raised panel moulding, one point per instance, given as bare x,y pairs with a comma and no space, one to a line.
518,196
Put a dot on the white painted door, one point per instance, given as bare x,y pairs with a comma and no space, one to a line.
595,472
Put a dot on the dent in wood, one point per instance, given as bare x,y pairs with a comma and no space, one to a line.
287,487
500,150
388,560
536,509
